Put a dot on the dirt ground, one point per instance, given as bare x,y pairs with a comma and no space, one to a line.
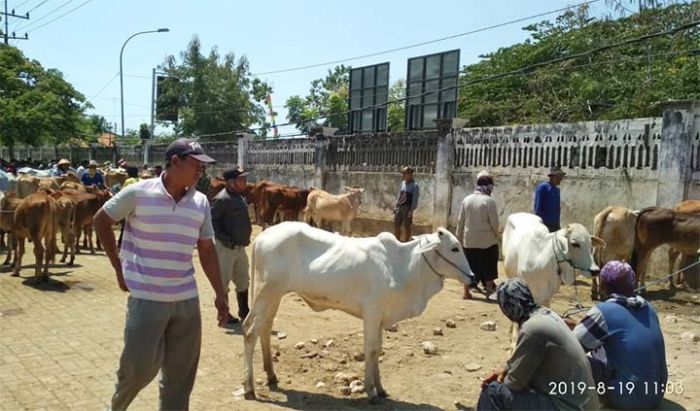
413,379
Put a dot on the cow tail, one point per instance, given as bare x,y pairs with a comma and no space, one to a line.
598,226
635,255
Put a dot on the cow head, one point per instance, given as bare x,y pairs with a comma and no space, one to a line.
573,249
444,257
355,195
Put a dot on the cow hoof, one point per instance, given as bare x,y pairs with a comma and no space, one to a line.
383,394
249,395
272,381
15,275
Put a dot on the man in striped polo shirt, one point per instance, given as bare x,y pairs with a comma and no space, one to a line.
165,218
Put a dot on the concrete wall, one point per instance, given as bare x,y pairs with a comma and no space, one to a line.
582,195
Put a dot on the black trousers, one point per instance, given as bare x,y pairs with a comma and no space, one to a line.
483,262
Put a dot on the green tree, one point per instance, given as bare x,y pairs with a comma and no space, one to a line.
327,98
36,105
215,94
623,82
396,113
144,132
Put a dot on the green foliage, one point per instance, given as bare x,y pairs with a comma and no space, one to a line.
36,105
396,113
144,132
215,94
325,105
623,82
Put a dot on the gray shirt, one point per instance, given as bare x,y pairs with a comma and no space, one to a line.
549,359
229,216
477,225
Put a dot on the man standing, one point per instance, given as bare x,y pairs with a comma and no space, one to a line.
232,228
93,177
165,218
546,355
477,230
61,168
406,203
625,343
548,201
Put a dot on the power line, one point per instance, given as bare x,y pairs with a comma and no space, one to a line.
527,70
328,63
62,15
37,6
46,15
106,85
22,4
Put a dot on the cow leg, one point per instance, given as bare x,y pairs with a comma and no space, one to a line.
77,230
64,238
19,253
373,336
38,258
595,294
265,331
252,326
49,256
88,235
643,261
10,248
70,243
672,258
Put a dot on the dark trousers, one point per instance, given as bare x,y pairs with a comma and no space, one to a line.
498,396
483,262
552,227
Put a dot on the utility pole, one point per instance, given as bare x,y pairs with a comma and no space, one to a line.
5,32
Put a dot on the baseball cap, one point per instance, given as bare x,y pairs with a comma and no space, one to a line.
187,147
233,173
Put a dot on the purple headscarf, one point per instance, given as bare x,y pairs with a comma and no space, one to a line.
617,277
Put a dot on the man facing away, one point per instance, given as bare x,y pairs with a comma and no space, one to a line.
406,203
546,355
625,343
548,200
232,228
165,219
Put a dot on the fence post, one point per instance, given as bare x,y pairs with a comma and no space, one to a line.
320,167
444,166
674,167
243,151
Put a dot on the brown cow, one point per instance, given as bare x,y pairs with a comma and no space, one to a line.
8,205
657,226
255,197
288,201
35,219
66,205
115,176
323,206
86,208
614,225
216,184
691,207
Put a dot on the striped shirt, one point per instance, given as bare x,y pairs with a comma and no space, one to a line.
159,237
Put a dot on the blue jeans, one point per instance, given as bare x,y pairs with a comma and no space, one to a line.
498,396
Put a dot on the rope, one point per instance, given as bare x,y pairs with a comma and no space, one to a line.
666,277
578,308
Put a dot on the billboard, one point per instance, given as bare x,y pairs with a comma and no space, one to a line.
367,99
167,98
431,89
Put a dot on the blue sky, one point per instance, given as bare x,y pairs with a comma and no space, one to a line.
273,34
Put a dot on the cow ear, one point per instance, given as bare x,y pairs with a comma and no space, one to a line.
597,241
346,188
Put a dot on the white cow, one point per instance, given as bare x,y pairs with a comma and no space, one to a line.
376,279
545,260
324,206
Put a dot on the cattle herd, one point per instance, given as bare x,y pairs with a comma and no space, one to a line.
378,279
